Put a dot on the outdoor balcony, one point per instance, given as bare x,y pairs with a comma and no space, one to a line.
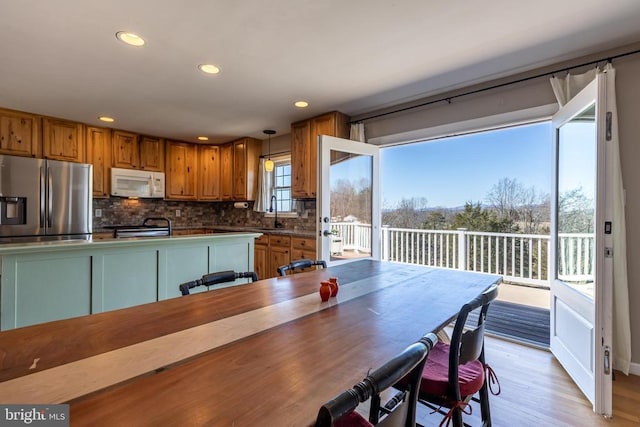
522,259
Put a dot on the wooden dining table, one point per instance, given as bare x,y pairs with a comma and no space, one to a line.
268,353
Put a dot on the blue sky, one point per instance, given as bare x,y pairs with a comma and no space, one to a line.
451,171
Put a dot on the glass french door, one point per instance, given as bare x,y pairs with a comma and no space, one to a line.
580,263
349,197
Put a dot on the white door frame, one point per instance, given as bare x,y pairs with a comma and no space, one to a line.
325,145
569,307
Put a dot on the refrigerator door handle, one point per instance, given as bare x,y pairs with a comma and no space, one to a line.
42,196
50,197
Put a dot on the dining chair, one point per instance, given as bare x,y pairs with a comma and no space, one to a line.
455,372
300,264
399,410
216,278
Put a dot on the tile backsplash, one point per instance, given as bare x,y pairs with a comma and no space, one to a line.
121,211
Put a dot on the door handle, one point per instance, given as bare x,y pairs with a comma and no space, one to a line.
50,201
42,196
327,233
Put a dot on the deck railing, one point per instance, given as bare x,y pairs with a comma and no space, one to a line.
519,258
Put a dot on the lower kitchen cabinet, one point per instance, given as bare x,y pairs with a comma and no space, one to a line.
275,250
37,300
124,279
183,264
279,252
303,248
42,283
261,257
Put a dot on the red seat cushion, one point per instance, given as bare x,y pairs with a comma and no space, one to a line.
352,419
435,375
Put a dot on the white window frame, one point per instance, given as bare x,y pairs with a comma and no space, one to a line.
279,161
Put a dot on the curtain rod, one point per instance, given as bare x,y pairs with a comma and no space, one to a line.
473,92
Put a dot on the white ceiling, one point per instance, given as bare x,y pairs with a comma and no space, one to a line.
61,58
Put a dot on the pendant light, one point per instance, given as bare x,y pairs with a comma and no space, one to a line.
268,164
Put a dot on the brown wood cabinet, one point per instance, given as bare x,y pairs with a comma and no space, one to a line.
19,134
261,257
226,171
131,151
63,140
274,250
303,248
239,161
246,155
125,149
181,171
209,172
304,150
279,252
151,153
99,155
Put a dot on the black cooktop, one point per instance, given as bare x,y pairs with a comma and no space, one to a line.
155,226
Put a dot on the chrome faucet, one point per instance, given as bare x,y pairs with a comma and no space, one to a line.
276,224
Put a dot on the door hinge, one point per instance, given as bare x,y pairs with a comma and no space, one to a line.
608,126
607,360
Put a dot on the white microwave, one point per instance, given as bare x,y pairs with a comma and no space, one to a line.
137,183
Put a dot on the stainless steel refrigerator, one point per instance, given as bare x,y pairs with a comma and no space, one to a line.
44,199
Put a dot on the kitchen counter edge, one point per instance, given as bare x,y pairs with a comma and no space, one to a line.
56,245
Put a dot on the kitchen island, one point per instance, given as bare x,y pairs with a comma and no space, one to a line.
45,281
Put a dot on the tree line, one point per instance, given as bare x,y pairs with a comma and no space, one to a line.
510,207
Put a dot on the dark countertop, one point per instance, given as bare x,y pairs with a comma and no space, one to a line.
230,228
266,230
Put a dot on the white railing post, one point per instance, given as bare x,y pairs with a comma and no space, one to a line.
385,243
462,249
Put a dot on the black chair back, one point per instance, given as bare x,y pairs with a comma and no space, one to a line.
300,264
216,278
400,410
469,343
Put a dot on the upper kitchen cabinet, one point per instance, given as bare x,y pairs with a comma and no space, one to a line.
246,155
99,155
181,171
19,133
151,153
125,149
63,140
131,151
209,172
226,171
304,150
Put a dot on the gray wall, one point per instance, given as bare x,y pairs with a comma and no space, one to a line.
535,93
628,97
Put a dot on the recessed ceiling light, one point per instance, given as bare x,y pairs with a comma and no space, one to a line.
301,104
209,68
130,38
203,138
106,119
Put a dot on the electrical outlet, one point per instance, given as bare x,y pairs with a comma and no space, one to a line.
178,213
98,213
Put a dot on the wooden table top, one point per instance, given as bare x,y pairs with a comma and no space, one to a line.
268,353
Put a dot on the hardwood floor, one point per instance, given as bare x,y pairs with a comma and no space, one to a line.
536,391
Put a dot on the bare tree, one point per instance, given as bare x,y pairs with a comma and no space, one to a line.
575,212
516,204
408,213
